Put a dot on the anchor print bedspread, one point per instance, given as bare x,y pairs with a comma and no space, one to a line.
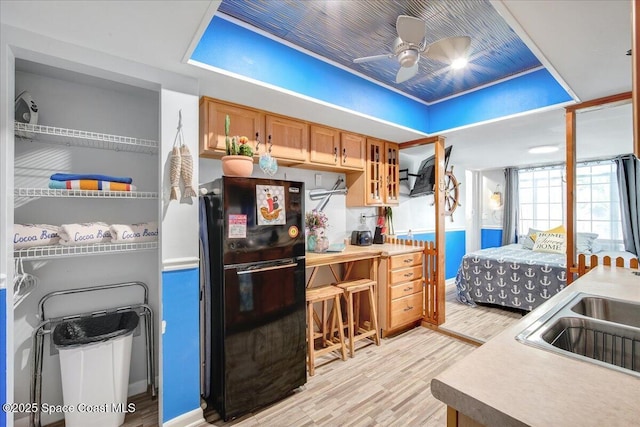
510,276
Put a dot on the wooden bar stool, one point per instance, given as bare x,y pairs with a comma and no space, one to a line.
324,294
356,332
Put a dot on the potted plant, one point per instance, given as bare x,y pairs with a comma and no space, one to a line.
239,158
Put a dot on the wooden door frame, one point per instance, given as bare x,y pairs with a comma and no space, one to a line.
571,121
438,196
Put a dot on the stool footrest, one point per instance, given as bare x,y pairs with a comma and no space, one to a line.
355,285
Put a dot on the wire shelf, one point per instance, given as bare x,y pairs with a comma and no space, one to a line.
60,251
81,138
99,194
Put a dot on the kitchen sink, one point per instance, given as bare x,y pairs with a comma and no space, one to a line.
612,310
591,328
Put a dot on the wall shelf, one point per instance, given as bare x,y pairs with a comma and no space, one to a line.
60,251
81,138
98,194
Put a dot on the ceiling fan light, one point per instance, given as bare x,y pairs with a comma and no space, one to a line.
459,63
408,58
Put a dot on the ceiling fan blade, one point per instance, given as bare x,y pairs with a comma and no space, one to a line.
410,29
405,73
449,48
373,58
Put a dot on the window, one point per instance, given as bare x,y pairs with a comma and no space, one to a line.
598,204
542,205
541,198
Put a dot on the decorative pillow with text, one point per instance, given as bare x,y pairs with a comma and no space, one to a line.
550,242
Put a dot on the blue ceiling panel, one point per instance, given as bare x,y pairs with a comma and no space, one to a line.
344,30
308,47
233,48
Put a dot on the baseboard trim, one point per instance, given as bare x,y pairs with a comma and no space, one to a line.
190,419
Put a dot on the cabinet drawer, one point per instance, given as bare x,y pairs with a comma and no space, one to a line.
406,260
405,310
406,274
404,289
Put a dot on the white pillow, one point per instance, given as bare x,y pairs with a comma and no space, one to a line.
550,242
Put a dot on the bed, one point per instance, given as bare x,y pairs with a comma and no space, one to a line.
514,276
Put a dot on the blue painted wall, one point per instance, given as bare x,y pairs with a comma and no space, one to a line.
230,47
529,92
490,238
180,343
454,249
3,352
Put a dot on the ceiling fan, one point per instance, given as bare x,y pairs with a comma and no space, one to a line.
410,44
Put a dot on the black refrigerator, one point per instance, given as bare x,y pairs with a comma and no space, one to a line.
252,235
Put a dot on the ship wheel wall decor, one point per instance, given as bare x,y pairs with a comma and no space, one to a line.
450,186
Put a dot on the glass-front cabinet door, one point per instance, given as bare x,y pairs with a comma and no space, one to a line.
375,172
392,194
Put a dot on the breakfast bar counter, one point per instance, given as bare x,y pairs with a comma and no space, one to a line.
508,383
356,253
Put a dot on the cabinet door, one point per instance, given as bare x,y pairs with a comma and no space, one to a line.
352,153
289,138
324,146
375,173
392,189
243,122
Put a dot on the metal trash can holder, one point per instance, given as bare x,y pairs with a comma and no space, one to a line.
82,331
95,359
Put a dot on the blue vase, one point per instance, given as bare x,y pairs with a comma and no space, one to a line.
311,241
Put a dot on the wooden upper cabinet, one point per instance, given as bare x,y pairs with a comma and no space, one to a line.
244,122
375,172
289,137
324,146
329,146
379,184
352,148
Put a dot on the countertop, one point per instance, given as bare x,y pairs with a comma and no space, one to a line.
354,253
507,383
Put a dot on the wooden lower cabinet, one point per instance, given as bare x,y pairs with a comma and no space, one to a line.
401,292
458,419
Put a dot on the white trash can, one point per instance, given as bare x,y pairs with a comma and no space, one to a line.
95,356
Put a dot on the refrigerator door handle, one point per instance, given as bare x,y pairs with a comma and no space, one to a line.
273,267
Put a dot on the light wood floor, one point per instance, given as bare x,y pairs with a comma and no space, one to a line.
382,386
479,323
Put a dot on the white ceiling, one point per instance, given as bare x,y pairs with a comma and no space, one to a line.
583,41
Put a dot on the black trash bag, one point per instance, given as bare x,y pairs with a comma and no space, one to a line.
90,330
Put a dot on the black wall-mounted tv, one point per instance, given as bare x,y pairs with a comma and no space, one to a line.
426,176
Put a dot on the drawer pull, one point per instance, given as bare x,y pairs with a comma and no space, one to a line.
409,308
408,289
407,260
408,274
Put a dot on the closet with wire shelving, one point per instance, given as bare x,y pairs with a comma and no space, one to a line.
86,125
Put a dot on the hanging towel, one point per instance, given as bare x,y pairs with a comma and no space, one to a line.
30,235
84,234
98,177
132,233
91,184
